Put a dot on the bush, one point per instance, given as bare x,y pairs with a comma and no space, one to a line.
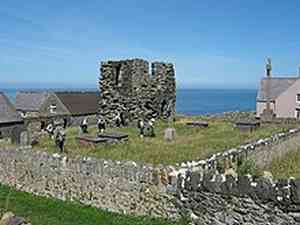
248,167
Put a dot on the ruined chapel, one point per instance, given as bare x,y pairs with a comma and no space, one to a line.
135,90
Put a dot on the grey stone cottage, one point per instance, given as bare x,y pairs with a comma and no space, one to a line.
11,123
68,108
38,108
280,95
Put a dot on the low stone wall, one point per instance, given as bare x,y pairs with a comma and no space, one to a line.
124,187
251,150
263,195
196,188
206,208
212,196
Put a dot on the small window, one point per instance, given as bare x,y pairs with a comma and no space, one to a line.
118,76
298,97
53,108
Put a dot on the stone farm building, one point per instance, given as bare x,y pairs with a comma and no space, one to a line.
128,88
281,95
11,123
80,104
67,108
39,108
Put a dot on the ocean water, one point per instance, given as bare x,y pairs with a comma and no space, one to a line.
201,101
209,101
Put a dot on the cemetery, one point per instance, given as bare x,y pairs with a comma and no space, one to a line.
189,143
140,158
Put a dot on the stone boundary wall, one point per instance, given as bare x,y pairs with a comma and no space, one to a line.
160,191
124,187
249,150
205,192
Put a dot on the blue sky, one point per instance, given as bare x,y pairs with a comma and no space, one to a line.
212,43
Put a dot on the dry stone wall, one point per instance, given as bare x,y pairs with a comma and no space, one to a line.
128,88
213,196
123,187
197,188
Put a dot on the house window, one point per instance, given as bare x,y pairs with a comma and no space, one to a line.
53,108
298,97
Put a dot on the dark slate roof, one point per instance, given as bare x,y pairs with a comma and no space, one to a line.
30,101
80,103
8,113
277,86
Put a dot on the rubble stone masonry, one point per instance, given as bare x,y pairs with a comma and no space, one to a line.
128,88
194,188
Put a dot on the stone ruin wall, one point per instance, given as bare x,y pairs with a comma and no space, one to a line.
128,87
194,188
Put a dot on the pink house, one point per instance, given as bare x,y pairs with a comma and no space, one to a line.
280,94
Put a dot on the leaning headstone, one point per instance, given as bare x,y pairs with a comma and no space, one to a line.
170,134
24,140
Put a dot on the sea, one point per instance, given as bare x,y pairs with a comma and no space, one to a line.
195,101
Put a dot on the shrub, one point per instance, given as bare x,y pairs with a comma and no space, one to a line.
248,167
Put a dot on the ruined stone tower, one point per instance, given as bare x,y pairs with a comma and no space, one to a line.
128,88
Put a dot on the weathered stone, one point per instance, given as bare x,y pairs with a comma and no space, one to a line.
244,186
264,189
229,186
128,90
170,134
295,190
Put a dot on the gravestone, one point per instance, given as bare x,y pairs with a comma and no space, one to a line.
170,134
246,126
24,139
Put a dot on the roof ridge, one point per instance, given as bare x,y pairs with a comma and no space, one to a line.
79,92
34,92
11,107
265,78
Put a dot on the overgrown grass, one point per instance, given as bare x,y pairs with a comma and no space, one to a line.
286,166
44,211
190,143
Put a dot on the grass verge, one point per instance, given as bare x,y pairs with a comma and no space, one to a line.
44,211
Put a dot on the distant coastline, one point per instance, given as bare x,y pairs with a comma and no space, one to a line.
189,101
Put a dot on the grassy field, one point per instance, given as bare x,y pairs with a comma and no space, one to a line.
190,144
44,211
286,166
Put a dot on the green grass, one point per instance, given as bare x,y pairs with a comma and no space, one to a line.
190,144
286,166
44,211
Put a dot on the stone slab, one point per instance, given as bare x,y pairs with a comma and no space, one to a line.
247,125
92,140
114,136
197,124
